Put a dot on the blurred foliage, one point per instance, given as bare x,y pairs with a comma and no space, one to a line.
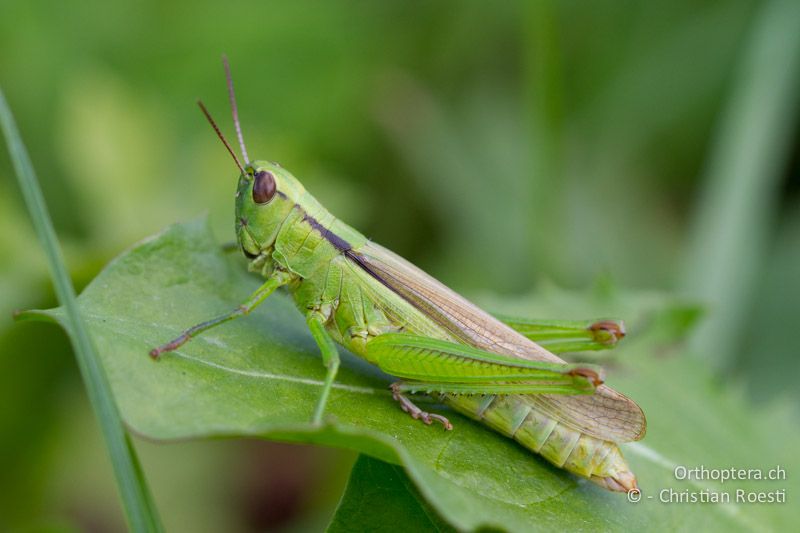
562,141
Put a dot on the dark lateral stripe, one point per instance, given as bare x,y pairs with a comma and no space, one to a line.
357,259
425,308
345,247
337,242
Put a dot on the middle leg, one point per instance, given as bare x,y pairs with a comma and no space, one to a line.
416,413
330,358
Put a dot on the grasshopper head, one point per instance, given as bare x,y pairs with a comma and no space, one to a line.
264,198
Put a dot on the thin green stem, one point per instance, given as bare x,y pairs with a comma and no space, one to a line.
139,508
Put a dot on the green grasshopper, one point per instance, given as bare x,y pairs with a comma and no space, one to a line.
384,309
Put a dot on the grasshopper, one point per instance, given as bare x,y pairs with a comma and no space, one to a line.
502,372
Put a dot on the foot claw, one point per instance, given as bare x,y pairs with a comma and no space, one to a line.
174,344
445,422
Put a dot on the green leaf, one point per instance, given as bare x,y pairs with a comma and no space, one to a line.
380,497
259,376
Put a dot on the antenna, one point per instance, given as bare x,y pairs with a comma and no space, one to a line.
234,109
219,134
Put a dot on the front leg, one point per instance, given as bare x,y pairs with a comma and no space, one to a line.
276,280
330,358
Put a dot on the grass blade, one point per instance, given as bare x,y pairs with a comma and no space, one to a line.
742,179
139,508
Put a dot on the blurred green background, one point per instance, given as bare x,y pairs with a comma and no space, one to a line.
651,144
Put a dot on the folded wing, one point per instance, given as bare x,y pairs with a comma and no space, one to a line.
606,414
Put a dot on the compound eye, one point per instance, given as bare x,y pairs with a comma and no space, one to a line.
264,187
